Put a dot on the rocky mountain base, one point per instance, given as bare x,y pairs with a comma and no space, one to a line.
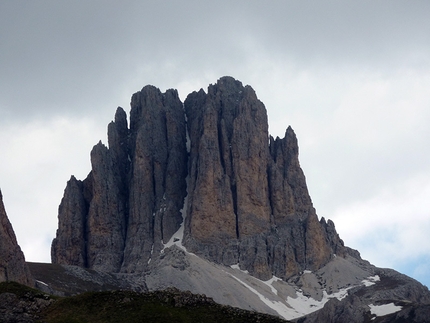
198,196
343,288
65,280
21,304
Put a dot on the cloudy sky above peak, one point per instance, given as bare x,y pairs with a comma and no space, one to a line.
351,77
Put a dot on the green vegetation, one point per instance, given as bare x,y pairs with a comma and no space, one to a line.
22,291
127,306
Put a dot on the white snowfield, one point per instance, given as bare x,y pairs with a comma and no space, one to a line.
297,305
370,281
382,310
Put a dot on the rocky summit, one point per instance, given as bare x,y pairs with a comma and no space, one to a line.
198,196
208,164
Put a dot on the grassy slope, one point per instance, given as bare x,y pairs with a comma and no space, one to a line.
21,291
126,306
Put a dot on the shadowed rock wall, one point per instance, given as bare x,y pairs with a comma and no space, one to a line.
130,202
12,262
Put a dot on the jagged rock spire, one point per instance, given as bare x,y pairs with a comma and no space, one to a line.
157,175
228,162
130,202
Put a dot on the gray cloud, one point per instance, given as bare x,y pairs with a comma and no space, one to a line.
60,53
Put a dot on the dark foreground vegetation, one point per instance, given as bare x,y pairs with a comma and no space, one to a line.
19,303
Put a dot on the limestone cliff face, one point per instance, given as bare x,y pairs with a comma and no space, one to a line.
130,202
158,170
70,245
228,184
12,262
248,199
248,203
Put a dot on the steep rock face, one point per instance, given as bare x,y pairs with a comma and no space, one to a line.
248,203
12,262
70,245
92,213
157,186
228,188
130,202
248,200
289,195
106,214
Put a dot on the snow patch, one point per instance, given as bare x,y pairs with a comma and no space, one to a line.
270,282
238,268
281,308
152,251
340,295
291,308
178,236
382,310
369,281
41,282
304,305
188,142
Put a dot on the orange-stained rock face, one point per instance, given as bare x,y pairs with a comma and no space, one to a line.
12,262
249,203
228,162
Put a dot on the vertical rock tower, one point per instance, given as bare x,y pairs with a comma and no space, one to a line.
247,200
12,262
130,202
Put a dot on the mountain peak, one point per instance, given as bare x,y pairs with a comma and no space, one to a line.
247,200
197,195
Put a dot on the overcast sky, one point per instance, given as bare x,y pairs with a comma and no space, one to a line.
352,78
